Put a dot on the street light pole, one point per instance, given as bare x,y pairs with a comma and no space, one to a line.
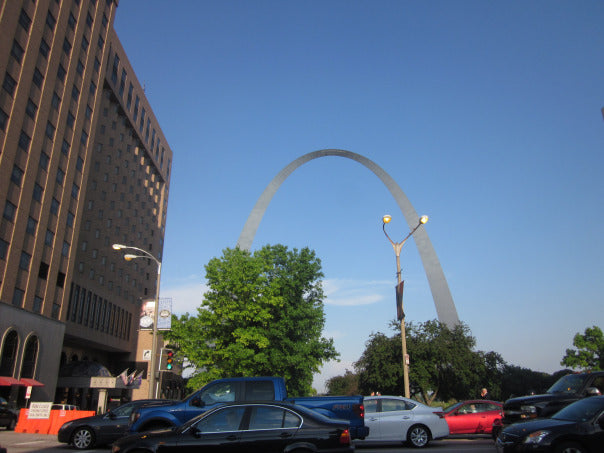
152,394
397,246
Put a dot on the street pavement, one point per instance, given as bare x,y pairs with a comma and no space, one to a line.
47,443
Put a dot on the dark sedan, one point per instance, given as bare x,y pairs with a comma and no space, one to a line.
578,428
8,415
89,432
271,427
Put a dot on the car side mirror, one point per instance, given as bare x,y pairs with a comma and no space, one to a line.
592,391
198,402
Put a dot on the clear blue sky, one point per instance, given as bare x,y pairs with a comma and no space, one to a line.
487,114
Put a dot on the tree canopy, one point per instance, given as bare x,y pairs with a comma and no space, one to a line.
262,315
589,352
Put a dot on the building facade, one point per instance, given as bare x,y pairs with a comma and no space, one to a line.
83,165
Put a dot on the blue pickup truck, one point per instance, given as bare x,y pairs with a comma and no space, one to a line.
168,413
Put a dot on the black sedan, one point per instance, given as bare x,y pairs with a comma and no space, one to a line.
89,432
578,428
8,415
248,427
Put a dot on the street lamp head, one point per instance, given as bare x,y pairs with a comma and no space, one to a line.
130,257
387,218
423,219
118,246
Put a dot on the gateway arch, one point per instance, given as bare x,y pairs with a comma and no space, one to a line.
445,307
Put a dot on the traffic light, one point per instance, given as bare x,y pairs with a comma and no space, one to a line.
166,360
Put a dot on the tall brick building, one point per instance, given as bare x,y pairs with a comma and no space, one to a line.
83,165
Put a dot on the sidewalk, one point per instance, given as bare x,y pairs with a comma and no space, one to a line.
25,442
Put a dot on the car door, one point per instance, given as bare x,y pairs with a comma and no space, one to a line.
209,397
488,413
114,423
218,432
464,420
371,420
270,429
394,419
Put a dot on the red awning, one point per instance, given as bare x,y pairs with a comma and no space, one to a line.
27,382
6,380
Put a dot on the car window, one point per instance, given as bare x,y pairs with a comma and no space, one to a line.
123,411
394,405
223,420
370,406
221,392
259,391
266,417
467,409
599,384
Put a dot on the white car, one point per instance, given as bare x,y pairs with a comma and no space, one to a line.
394,419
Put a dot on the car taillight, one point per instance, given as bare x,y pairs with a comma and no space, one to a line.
345,437
440,414
359,409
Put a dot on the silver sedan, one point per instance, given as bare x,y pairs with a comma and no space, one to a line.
394,419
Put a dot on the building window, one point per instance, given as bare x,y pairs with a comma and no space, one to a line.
24,20
60,176
71,21
3,120
31,226
31,109
61,73
50,130
92,88
97,65
18,297
17,51
89,20
24,261
65,147
38,190
79,164
51,21
70,120
9,84
16,175
88,112
37,308
75,190
44,48
65,249
38,78
75,93
24,141
70,219
80,67
101,42
3,249
56,101
9,211
54,206
84,138
66,47
49,238
44,160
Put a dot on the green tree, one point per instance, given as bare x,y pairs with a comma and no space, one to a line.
343,385
262,315
589,352
380,366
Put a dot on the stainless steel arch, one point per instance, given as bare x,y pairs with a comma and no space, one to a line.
445,307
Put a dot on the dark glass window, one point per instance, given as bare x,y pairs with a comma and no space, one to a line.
16,175
97,65
31,109
101,42
44,159
43,271
84,138
65,147
9,211
18,297
38,78
88,112
75,93
70,120
79,164
17,51
31,226
24,261
105,21
60,176
49,238
38,191
80,67
44,48
85,44
51,21
9,84
56,101
3,249
92,88
24,141
89,20
75,190
66,46
71,21
37,308
65,249
54,206
50,130
24,20
61,73
70,219
3,120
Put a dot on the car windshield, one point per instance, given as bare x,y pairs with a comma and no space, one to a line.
570,383
581,411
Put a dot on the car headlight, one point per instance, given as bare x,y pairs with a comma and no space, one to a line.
536,437
528,411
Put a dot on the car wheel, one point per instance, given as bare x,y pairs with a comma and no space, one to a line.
570,447
82,438
418,436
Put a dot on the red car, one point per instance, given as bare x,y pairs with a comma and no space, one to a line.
473,416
